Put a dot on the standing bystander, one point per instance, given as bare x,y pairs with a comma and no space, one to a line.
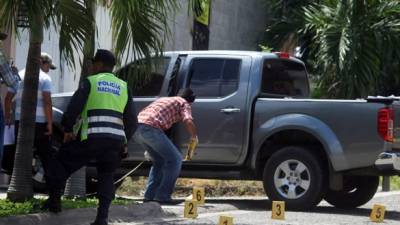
153,120
44,114
9,78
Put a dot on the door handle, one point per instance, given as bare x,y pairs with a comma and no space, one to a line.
230,110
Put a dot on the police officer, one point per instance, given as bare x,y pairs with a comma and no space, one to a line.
107,121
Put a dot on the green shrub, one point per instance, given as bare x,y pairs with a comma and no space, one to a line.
8,208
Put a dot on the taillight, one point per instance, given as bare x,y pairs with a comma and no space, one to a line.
282,55
385,124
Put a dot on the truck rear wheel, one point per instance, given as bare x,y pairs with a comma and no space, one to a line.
294,175
357,190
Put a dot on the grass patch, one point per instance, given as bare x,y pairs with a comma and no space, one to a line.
135,186
215,188
8,208
395,183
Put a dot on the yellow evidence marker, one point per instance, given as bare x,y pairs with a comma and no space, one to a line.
225,220
377,213
190,210
278,210
198,195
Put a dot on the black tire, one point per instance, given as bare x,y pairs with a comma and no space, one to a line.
357,190
296,176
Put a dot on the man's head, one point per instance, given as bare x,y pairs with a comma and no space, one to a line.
187,94
46,62
103,61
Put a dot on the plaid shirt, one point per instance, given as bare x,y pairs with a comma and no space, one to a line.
166,111
7,75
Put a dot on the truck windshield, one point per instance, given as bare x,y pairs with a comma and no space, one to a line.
284,78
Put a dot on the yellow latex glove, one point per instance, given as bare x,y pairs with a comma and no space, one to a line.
191,147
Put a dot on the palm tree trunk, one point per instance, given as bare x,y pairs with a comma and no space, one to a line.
76,184
88,47
20,188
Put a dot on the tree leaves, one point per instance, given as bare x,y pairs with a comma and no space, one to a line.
352,45
138,26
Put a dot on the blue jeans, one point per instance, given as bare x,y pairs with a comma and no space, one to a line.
167,162
1,134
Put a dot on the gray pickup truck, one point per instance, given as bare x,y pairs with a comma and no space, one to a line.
256,121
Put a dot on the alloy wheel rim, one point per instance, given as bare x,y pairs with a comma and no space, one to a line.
292,179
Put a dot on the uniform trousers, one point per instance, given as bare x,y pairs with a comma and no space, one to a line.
106,153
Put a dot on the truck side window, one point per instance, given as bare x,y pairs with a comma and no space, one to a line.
142,80
214,77
285,78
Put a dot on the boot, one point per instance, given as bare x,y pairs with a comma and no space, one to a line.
53,203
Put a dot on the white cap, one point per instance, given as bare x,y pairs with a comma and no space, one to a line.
48,59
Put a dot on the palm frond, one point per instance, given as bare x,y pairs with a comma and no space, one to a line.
73,21
140,27
9,12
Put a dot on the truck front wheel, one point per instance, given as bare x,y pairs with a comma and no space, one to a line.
294,175
357,190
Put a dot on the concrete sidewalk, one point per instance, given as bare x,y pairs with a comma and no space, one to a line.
118,213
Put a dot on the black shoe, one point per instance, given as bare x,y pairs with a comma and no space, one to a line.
100,222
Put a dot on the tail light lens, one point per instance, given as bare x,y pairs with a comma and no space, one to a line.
282,55
385,124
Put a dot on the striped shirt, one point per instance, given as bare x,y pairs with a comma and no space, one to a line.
166,111
43,86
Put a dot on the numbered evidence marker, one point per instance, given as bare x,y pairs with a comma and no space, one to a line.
190,209
278,210
377,213
198,195
225,220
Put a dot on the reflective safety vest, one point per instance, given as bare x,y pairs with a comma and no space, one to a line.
102,116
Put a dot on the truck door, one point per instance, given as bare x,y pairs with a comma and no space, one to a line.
146,85
219,111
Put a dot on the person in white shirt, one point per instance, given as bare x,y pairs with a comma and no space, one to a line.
44,114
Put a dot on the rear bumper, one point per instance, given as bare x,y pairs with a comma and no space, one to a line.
388,162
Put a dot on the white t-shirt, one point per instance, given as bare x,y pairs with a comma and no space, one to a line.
43,86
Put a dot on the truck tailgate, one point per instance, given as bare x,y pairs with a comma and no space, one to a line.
396,126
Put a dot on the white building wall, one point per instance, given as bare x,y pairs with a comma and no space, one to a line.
50,45
64,78
234,25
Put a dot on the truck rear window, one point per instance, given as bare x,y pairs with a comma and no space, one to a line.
281,78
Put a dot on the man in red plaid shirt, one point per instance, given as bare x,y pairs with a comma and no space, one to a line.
166,158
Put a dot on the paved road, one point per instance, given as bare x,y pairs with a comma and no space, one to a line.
258,211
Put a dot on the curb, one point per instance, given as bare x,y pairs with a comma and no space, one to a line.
126,213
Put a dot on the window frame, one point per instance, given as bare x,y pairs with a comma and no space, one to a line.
189,76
